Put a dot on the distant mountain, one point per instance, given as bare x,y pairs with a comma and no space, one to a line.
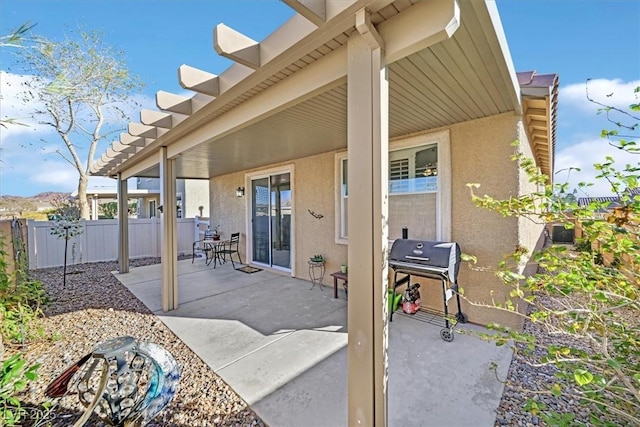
18,206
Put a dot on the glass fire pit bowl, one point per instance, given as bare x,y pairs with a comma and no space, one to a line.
124,381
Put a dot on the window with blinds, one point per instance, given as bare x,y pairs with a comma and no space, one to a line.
399,175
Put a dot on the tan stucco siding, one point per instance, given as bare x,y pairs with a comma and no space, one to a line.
315,192
226,209
481,153
196,194
530,234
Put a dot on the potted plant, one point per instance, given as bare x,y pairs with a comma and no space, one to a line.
216,232
317,258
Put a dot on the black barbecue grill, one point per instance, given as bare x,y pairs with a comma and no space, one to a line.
434,260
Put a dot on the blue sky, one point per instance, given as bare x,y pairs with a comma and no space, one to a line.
578,39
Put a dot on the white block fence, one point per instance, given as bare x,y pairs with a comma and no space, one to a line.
99,241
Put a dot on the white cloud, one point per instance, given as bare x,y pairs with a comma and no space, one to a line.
14,105
59,174
614,93
583,156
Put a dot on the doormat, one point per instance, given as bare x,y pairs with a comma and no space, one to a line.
248,269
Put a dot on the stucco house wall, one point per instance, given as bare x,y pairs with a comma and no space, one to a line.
196,195
480,153
227,210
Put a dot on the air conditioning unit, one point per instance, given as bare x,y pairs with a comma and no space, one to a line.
560,234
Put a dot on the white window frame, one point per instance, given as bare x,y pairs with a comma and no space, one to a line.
443,195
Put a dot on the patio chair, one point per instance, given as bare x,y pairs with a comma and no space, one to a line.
203,246
229,248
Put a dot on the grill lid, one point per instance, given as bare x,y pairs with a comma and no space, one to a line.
423,256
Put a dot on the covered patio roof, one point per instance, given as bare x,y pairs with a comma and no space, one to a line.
286,97
339,74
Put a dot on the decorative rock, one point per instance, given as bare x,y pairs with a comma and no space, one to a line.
94,307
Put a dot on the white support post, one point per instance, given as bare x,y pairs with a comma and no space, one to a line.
94,207
368,136
169,238
123,225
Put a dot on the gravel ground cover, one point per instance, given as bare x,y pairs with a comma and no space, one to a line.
525,381
93,307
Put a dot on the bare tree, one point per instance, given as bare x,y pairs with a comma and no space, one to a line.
83,88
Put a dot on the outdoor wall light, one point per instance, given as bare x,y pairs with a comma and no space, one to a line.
240,192
160,208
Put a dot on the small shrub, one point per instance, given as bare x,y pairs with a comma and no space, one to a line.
20,302
13,379
582,245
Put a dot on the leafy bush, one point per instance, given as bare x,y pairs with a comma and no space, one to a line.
587,300
13,379
582,245
20,302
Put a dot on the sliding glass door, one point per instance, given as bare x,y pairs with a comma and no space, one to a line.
271,220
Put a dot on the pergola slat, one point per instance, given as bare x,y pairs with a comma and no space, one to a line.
198,81
236,46
313,10
138,129
156,118
174,103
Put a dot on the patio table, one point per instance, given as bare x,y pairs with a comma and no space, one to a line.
339,275
214,247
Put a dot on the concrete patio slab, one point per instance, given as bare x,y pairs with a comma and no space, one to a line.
282,347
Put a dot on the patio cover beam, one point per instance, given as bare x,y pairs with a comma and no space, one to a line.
326,73
281,52
139,167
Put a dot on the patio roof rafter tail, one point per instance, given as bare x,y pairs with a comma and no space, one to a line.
113,154
128,139
123,148
198,80
97,166
313,10
175,103
430,22
313,80
236,46
156,118
144,131
293,40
